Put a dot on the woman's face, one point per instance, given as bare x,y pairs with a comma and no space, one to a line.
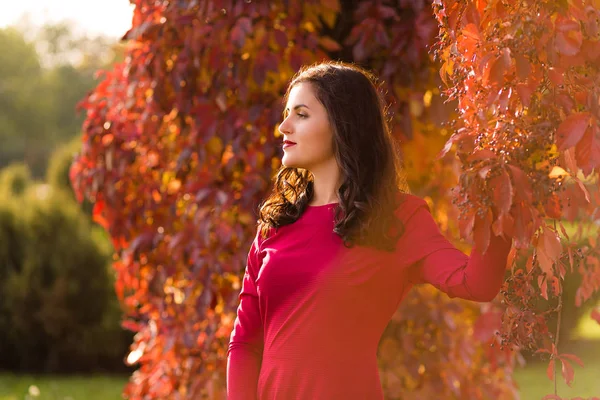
307,125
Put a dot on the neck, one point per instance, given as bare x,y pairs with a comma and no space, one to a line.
327,181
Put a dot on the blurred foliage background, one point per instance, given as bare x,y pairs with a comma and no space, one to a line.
58,310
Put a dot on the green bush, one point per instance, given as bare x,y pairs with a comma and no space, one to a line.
59,165
14,179
57,174
59,311
12,252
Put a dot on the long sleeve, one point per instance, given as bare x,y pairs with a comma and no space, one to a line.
244,354
436,261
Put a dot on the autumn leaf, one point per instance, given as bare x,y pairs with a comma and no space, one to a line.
595,315
523,67
98,214
552,206
482,231
503,192
567,371
568,37
550,369
572,357
329,44
521,182
548,249
587,151
571,130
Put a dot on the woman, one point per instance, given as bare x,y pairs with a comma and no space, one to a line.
339,245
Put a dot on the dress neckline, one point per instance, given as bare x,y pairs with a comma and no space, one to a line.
323,205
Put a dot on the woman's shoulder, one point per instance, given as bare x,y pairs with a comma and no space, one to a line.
407,204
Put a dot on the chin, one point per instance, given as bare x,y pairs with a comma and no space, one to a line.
286,162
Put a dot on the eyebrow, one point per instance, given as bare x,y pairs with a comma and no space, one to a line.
296,107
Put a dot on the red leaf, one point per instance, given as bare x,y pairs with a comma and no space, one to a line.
550,370
543,284
466,225
333,5
359,50
523,67
481,231
495,73
107,139
487,325
571,130
555,286
97,215
572,357
566,24
511,257
548,249
552,206
281,38
568,372
570,162
587,151
482,155
552,245
329,44
556,76
584,190
521,183
569,43
503,192
525,92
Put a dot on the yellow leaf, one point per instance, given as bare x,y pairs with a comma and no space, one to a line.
553,152
558,172
329,17
174,186
214,145
427,98
309,26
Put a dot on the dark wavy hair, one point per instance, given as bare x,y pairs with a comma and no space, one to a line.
365,150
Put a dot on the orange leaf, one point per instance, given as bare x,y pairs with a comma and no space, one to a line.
496,72
572,357
555,286
587,151
543,284
567,371
329,44
556,76
525,92
569,43
552,206
503,192
107,139
97,215
521,183
481,231
595,315
523,67
550,370
571,130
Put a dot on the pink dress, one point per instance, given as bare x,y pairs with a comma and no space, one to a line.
312,311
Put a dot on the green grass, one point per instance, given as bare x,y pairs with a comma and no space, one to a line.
25,387
531,379
534,383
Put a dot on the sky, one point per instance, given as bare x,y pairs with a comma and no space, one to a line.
106,17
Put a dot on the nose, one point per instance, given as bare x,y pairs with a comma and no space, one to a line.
284,127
